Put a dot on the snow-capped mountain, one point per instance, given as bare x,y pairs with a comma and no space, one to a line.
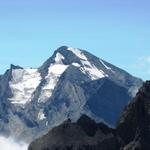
70,83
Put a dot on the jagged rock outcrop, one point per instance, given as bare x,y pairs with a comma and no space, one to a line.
134,125
132,132
86,134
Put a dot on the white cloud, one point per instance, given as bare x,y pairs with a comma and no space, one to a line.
147,59
148,71
144,59
141,67
144,64
9,144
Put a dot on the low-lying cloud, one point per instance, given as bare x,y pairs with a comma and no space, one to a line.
142,67
9,144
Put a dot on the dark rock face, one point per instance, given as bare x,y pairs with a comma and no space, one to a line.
134,125
132,132
83,135
105,99
88,125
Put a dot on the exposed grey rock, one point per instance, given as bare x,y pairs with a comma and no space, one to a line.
134,125
75,136
132,132
77,91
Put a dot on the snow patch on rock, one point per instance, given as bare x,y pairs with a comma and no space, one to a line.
23,84
41,115
76,64
55,70
87,68
104,65
92,71
59,57
78,53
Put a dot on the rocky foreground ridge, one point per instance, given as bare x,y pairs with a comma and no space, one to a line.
132,132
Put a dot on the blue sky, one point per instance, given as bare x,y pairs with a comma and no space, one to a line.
117,31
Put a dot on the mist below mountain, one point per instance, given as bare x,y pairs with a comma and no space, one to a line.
10,144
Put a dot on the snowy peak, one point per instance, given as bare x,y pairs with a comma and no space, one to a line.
82,57
71,54
15,67
78,53
24,83
68,84
79,59
56,65
90,65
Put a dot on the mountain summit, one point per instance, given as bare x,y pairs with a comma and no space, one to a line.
70,83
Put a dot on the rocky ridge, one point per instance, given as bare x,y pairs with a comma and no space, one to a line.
132,132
